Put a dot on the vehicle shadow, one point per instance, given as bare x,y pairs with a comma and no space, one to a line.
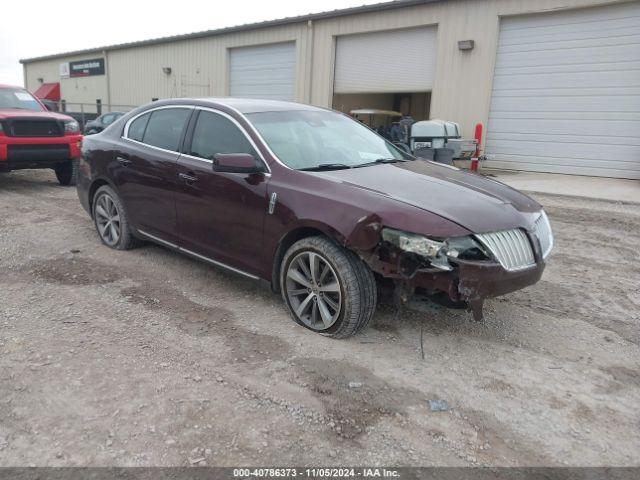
28,180
422,317
418,314
209,276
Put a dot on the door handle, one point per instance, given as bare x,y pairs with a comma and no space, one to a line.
188,178
124,161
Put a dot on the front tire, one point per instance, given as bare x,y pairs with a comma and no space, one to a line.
326,288
111,220
67,172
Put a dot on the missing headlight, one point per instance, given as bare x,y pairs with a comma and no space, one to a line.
465,248
435,253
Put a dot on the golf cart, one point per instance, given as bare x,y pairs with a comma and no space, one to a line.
392,125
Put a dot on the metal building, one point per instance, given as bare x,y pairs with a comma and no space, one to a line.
555,82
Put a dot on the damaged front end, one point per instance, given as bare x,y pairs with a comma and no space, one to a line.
460,270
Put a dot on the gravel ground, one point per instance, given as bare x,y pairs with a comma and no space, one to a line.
149,358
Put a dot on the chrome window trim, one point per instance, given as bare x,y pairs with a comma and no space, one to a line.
260,137
197,255
151,146
240,127
125,133
191,157
210,162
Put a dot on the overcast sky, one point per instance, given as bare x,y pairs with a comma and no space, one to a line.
44,27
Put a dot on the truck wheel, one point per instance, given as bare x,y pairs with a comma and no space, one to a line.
111,221
326,288
67,172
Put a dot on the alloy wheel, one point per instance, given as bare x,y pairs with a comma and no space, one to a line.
313,290
108,220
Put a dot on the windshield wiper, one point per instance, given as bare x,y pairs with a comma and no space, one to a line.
326,166
380,161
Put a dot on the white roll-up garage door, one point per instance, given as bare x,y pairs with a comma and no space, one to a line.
264,71
386,62
566,93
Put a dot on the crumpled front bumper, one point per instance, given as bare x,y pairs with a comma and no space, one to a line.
474,281
470,281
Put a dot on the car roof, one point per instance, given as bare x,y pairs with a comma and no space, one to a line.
241,105
253,105
11,86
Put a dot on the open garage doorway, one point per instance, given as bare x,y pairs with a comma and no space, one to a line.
390,70
416,105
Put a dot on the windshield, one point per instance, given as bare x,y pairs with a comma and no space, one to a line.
17,98
307,140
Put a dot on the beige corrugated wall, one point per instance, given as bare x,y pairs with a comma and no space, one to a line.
462,89
199,67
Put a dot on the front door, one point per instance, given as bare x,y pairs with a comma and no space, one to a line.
145,168
220,215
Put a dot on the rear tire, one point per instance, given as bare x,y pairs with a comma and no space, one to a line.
338,299
67,172
111,220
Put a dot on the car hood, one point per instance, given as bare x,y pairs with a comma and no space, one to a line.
19,113
472,201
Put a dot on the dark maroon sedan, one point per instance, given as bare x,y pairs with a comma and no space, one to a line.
311,201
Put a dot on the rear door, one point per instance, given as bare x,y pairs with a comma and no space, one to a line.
145,170
220,215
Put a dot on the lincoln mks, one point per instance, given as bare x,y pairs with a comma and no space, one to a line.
311,201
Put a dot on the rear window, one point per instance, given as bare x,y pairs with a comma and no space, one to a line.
137,128
108,119
164,128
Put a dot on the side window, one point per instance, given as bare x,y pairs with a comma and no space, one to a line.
165,128
137,127
216,134
108,119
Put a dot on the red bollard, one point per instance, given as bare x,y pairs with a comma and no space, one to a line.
476,155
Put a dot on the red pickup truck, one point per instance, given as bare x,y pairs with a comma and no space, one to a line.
33,137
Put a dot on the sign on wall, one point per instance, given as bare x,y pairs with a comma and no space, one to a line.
87,68
64,70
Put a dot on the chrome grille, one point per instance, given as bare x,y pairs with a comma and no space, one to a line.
511,248
542,229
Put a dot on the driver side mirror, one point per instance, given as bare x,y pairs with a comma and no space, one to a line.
235,163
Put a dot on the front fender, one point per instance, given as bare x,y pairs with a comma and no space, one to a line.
353,218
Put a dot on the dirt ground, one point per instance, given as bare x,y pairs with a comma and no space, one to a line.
150,358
